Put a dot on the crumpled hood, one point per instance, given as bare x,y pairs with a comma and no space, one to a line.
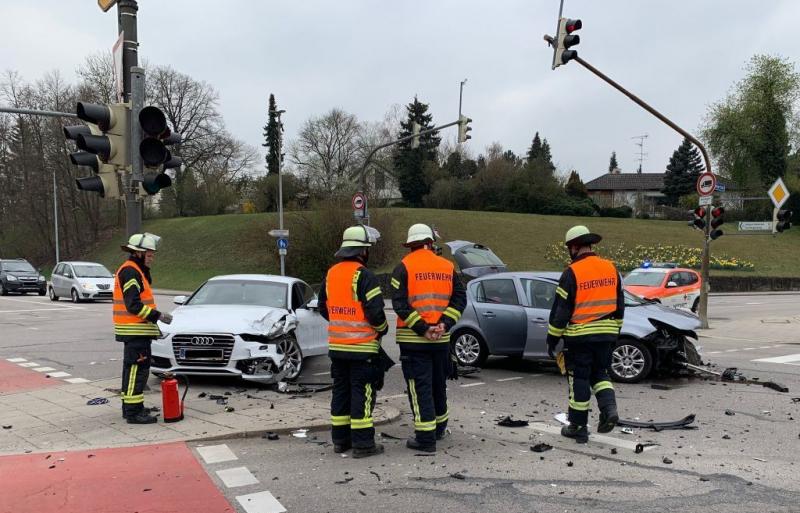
234,319
680,319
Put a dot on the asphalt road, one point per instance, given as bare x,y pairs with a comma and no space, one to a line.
732,463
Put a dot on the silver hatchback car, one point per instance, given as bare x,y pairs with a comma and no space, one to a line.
81,281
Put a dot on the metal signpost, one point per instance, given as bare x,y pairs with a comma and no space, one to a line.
282,237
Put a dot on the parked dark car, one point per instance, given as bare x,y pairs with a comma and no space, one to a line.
19,276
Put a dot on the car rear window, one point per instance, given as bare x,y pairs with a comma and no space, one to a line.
644,279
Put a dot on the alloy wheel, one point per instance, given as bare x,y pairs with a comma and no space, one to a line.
468,348
627,361
293,357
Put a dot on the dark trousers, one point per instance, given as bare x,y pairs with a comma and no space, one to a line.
426,379
352,401
135,371
587,372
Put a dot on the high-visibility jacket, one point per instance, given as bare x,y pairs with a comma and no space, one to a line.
129,324
349,330
430,288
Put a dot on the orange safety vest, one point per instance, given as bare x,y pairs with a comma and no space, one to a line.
126,323
348,327
430,287
596,289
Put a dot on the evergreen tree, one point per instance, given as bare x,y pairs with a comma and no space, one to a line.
575,186
684,168
272,135
612,163
409,163
535,151
540,159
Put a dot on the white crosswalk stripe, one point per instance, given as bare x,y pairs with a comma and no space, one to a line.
789,359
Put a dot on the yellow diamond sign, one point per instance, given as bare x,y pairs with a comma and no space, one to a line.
778,193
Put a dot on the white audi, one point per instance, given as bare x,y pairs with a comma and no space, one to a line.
255,326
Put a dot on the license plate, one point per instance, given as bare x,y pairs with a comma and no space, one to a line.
202,354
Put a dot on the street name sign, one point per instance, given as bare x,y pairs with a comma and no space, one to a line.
754,226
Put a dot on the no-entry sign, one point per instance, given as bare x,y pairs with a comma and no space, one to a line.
706,184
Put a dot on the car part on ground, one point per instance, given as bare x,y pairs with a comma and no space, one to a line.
732,375
684,423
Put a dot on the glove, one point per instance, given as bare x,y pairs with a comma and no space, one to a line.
165,318
551,348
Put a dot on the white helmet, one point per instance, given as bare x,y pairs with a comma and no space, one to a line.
355,239
420,234
142,242
581,236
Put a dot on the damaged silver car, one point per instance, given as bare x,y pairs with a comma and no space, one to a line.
256,327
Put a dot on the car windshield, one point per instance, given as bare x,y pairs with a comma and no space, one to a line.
19,267
634,300
478,257
91,271
644,279
240,292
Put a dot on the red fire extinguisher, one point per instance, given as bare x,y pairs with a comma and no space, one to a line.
172,405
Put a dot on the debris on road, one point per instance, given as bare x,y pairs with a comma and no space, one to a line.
201,395
667,461
458,475
659,386
562,418
507,421
376,475
7,427
270,436
684,423
761,460
627,430
730,413
613,450
284,387
300,433
230,409
344,481
641,447
96,401
732,375
542,447
390,437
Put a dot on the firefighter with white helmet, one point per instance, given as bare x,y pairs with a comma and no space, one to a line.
135,317
587,313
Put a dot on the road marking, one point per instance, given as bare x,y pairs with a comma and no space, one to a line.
237,476
77,381
28,364
41,303
16,360
509,379
43,369
765,347
216,453
730,350
714,352
322,373
754,303
261,502
602,439
789,358
473,384
59,374
37,310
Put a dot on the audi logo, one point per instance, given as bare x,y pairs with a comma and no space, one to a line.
202,341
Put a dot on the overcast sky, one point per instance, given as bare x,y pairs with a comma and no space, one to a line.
363,56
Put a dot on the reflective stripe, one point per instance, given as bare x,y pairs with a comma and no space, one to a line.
381,327
412,392
443,418
361,423
425,426
135,399
579,405
430,308
366,422
144,312
452,313
586,304
355,284
349,334
556,332
373,293
349,324
368,347
395,283
131,283
412,319
561,292
407,336
602,385
132,378
340,420
432,295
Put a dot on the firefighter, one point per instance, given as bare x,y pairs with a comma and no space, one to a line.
135,317
350,300
587,314
428,298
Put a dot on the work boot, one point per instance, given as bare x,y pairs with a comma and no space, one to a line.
148,410
363,452
141,417
579,433
608,419
413,443
441,435
342,447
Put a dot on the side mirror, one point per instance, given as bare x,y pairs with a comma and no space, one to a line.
179,300
313,304
671,284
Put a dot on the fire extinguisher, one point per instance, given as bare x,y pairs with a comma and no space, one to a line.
172,405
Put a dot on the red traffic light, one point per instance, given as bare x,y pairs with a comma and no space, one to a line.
700,212
573,25
717,212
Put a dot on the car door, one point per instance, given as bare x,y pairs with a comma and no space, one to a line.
69,281
312,328
62,286
501,315
54,276
539,298
673,295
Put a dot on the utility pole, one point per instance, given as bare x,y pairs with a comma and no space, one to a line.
282,252
126,24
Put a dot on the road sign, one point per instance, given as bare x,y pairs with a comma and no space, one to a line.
105,5
283,243
279,234
705,201
778,193
282,252
754,226
720,187
706,183
359,201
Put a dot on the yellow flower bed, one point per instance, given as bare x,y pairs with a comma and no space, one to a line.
627,258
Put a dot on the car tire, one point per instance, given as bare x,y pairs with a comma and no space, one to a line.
3,291
291,350
52,293
696,305
631,361
75,297
470,348
42,292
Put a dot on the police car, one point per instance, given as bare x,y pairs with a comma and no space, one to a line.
666,283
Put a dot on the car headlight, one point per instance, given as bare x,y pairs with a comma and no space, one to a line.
41,278
11,278
87,286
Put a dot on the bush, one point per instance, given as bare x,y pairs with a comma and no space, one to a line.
624,211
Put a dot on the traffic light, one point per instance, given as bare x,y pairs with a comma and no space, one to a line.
716,222
565,39
464,128
103,145
415,132
697,218
783,220
156,157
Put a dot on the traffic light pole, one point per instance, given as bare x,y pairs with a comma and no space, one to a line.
133,91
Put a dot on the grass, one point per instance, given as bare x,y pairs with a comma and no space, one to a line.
194,249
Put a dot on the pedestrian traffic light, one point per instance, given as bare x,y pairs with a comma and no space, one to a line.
783,220
156,157
565,39
464,128
697,218
415,133
716,222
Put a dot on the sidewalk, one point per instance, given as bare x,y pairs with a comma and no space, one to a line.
57,418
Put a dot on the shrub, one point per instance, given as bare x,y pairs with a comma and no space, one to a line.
624,211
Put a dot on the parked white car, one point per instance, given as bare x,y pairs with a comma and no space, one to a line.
254,326
81,281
